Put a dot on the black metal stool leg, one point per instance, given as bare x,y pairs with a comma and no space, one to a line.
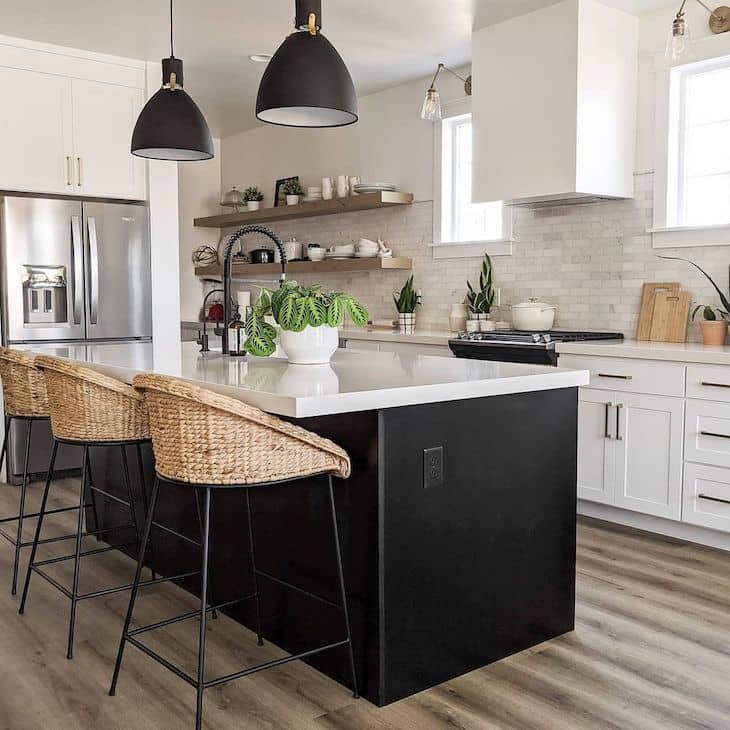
4,451
97,524
145,501
200,525
21,509
203,609
130,496
253,568
343,593
39,525
135,585
77,558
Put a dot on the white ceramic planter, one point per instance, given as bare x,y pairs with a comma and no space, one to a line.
253,204
407,322
292,199
311,346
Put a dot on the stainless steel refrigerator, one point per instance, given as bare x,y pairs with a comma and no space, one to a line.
73,273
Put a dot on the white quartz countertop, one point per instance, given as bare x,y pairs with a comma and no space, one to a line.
693,352
353,381
419,337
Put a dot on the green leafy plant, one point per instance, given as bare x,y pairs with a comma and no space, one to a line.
407,299
293,188
724,300
480,300
709,313
253,195
295,307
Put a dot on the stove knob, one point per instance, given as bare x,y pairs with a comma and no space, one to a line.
547,339
536,338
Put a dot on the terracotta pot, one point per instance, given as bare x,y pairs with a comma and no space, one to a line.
713,333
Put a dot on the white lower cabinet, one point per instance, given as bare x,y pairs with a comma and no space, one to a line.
630,451
706,496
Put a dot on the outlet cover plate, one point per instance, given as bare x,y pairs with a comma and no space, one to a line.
433,467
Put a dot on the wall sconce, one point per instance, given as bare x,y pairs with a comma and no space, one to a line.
431,109
679,35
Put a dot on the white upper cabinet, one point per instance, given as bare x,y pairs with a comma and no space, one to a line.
104,117
36,129
67,122
554,105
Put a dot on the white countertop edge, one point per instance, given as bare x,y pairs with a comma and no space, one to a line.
419,337
682,352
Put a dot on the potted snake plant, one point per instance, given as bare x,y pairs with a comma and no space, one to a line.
308,317
406,302
480,301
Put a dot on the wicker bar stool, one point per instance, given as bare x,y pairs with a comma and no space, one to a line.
209,442
88,409
25,400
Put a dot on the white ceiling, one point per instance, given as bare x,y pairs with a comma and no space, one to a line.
383,43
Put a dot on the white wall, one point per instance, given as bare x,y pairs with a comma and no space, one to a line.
390,143
199,194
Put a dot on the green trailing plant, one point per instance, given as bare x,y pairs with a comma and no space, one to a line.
724,300
253,195
480,300
293,187
407,299
295,307
709,313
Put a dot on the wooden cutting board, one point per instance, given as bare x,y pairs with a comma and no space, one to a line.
671,316
646,313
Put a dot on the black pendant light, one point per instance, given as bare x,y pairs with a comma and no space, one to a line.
170,126
306,83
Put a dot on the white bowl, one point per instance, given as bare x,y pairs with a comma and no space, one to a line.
316,254
347,250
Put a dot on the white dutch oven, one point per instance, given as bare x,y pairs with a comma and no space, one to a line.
533,315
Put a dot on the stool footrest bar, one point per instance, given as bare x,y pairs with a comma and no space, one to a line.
109,495
96,551
30,515
185,616
169,530
52,581
129,586
168,665
298,589
275,663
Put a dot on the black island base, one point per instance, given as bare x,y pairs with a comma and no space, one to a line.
457,529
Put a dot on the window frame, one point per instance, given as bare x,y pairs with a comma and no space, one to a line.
708,53
501,246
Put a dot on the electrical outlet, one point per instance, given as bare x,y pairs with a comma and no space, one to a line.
433,467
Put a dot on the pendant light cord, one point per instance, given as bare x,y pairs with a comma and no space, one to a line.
172,49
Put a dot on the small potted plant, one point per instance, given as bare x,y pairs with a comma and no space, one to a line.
480,301
406,302
293,190
713,329
309,319
713,324
253,197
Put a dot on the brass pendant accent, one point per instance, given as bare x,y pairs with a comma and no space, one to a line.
173,81
720,19
312,24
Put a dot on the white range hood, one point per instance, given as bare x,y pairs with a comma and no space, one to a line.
554,106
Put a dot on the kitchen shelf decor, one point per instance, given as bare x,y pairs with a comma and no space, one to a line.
367,201
331,266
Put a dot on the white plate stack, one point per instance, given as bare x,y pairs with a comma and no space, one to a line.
373,187
366,249
313,194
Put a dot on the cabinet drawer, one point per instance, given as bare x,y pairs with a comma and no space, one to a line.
707,432
708,383
630,375
706,498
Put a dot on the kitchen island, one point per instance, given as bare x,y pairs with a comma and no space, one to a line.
457,524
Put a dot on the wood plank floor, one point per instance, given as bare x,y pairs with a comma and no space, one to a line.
651,650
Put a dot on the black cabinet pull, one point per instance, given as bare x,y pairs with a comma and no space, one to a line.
715,385
716,435
606,434
713,499
616,377
619,437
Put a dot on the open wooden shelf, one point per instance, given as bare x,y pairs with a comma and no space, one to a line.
366,201
330,266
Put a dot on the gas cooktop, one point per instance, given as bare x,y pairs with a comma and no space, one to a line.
520,346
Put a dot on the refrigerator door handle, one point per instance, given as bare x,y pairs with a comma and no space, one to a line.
77,269
93,272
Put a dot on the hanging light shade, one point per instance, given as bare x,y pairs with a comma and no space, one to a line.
171,126
306,83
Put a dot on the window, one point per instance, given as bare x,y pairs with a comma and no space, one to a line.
458,221
699,175
692,158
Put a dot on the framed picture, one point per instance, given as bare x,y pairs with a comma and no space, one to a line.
279,194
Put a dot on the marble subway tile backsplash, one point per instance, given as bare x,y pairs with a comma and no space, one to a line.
589,260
